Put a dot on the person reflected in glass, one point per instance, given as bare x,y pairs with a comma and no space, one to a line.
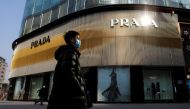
158,89
153,89
112,92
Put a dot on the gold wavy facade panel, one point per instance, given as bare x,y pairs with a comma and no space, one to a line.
103,45
27,56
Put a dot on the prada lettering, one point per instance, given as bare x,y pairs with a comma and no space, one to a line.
133,22
39,42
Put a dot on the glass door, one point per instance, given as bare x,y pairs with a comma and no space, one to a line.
157,84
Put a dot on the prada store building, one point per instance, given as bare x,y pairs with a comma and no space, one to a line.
129,53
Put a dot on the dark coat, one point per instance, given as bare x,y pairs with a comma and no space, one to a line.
68,81
41,92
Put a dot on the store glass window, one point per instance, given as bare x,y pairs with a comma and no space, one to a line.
111,1
80,4
46,18
151,2
160,2
172,3
54,14
63,9
28,25
51,84
133,1
19,88
158,84
46,4
49,3
184,4
35,85
36,22
91,3
38,6
113,84
55,2
123,1
29,8
72,4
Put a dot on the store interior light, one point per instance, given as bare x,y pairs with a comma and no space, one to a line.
146,21
113,1
153,77
188,76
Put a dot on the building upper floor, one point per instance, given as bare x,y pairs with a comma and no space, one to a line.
39,13
3,64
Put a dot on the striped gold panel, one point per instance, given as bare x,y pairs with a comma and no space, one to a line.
28,56
103,45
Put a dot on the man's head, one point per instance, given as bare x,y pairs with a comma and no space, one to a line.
72,38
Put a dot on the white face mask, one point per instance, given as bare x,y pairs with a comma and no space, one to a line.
77,43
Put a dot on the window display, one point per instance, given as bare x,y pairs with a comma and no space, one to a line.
36,83
113,84
19,88
157,84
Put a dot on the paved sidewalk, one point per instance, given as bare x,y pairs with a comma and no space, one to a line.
31,105
19,103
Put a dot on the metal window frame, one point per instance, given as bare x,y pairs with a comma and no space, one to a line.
59,12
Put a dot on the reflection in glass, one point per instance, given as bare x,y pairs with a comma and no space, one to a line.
151,2
160,2
133,1
72,4
36,22
46,18
172,3
110,1
184,4
54,14
28,8
49,4
55,2
28,25
46,4
64,9
91,3
80,5
38,6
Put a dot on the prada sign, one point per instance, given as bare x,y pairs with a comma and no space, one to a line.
125,22
40,42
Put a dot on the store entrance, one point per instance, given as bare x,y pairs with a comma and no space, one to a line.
188,84
157,84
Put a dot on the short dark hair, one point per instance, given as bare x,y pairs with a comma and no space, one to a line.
70,35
